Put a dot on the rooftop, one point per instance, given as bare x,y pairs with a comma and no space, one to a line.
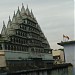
66,43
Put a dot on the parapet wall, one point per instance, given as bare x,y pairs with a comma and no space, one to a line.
61,69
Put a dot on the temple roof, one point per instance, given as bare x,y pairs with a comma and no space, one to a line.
24,30
18,18
23,14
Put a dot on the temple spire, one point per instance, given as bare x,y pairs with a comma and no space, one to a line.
22,5
18,13
9,18
23,10
32,14
27,11
18,8
14,14
27,7
3,32
14,18
9,23
3,24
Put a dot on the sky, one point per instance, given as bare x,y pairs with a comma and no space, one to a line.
55,17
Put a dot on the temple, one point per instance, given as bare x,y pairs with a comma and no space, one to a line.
22,42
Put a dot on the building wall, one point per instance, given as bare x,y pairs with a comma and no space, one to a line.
58,53
17,55
2,60
70,54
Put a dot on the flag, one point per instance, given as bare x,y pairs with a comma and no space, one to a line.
64,36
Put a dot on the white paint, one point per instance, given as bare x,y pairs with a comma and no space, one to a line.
70,54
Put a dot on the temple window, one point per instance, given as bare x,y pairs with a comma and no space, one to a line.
32,49
25,21
25,27
17,40
0,47
21,26
6,47
17,32
11,47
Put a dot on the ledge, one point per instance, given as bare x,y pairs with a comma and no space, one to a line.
66,43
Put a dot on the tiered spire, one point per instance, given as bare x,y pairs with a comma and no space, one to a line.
3,32
23,9
14,14
9,23
17,18
32,14
27,11
18,15
23,12
14,18
3,23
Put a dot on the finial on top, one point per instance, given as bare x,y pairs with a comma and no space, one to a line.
27,6
3,32
18,7
22,5
14,13
3,23
31,10
32,14
9,18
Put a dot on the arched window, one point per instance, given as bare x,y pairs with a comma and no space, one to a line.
19,40
0,47
23,48
26,21
6,47
16,32
21,26
11,47
14,39
25,27
32,49
23,34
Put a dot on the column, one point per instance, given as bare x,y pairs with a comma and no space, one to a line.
40,73
45,73
3,47
34,73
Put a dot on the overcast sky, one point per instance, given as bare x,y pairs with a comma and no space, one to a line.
55,17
